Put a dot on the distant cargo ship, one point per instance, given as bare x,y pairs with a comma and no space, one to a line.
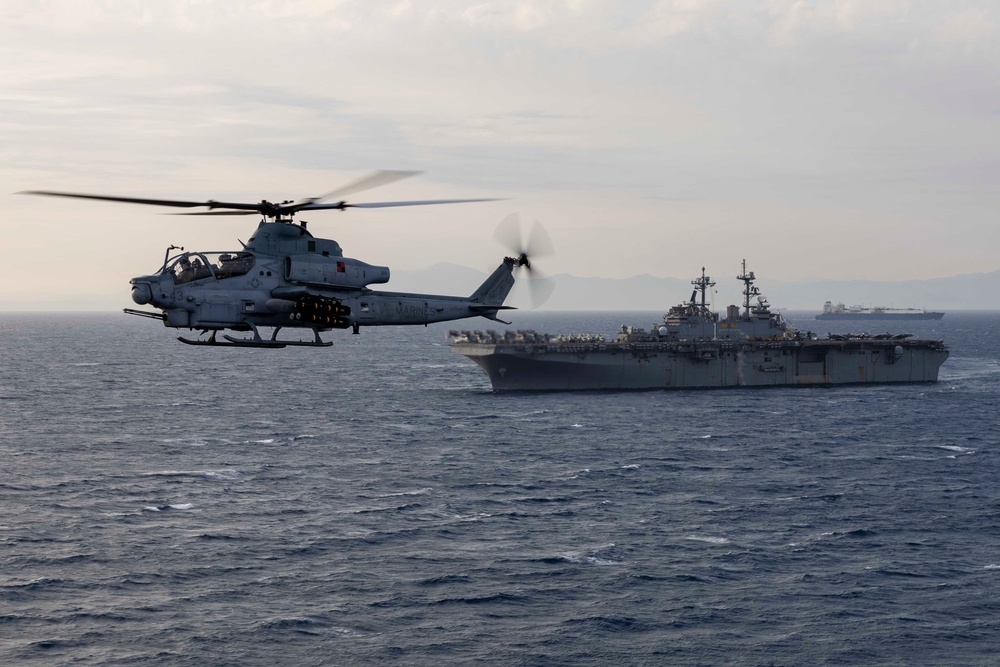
842,312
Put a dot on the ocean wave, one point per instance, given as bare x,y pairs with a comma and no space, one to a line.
300,624
446,580
488,598
32,584
611,624
394,508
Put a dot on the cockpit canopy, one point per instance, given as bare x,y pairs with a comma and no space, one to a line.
219,265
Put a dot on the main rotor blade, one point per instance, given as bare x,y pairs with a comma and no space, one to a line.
247,212
372,180
270,209
139,200
385,204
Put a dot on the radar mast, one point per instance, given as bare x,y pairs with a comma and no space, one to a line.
701,285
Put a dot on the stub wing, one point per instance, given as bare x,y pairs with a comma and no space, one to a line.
490,312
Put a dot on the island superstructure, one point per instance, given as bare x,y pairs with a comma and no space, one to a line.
693,347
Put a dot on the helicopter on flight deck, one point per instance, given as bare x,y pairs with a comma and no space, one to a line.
286,277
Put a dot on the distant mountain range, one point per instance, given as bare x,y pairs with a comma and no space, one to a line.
978,291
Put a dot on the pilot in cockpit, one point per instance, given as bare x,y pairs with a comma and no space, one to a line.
199,270
183,270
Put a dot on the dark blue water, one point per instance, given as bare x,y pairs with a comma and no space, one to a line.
375,503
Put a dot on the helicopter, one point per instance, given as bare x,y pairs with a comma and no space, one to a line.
284,277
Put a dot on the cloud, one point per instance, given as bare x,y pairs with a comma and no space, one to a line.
503,16
792,21
969,28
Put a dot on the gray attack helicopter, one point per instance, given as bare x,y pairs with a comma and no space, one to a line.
286,277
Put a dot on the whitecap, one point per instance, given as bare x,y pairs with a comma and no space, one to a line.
414,492
347,632
199,473
581,557
956,448
991,566
187,442
177,506
707,538
631,466
224,474
594,560
576,557
704,437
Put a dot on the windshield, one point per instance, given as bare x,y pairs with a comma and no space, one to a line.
230,265
221,265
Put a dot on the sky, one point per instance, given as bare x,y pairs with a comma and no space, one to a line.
818,139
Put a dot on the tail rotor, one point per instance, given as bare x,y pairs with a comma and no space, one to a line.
526,249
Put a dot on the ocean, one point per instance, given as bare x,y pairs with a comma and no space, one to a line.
374,503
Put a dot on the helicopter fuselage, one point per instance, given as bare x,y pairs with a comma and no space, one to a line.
285,277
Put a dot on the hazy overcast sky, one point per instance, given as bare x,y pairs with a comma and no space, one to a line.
832,139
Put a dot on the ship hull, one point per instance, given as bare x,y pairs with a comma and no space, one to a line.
704,365
880,316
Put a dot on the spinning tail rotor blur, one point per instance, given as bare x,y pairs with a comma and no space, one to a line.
526,249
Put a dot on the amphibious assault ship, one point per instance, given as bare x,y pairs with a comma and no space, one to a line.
842,312
693,347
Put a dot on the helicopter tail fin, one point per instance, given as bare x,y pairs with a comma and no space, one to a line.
496,288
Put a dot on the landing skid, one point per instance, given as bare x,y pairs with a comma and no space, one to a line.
257,340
